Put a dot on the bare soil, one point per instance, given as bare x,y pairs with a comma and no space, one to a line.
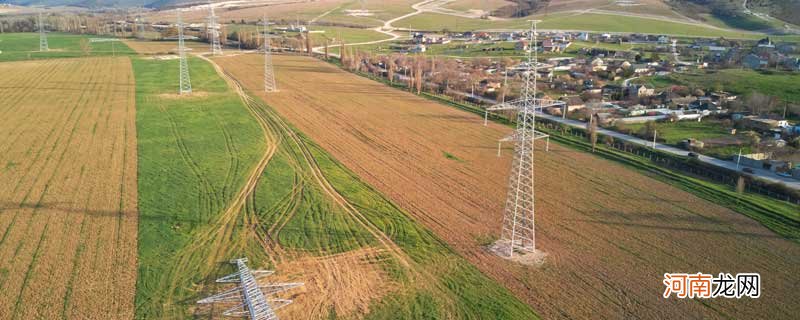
609,233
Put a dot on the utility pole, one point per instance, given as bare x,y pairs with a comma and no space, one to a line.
739,158
655,133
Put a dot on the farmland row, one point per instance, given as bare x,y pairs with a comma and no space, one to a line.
68,220
610,232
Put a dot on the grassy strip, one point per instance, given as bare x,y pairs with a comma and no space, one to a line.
193,156
781,217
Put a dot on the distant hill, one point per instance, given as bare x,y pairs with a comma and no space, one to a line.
786,10
736,15
100,3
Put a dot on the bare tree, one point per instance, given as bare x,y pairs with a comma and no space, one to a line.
760,103
592,128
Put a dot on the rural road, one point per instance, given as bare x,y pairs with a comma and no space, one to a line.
760,173
386,29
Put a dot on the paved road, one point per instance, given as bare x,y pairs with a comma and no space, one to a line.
759,173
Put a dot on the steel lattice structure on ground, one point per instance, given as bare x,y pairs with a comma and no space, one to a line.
249,296
270,85
213,31
42,36
185,84
518,233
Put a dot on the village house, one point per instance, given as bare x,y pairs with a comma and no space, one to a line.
599,65
638,91
753,61
763,124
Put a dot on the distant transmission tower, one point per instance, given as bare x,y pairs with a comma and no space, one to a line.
185,81
213,31
249,296
139,25
42,35
270,85
518,233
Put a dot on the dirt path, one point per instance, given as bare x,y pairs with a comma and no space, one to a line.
347,282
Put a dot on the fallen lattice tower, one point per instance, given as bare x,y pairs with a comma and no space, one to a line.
250,297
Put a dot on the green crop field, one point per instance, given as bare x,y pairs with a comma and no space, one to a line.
674,133
25,46
349,35
584,21
194,156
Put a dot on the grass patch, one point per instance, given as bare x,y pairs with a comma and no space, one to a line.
675,132
739,81
450,156
193,157
25,46
570,21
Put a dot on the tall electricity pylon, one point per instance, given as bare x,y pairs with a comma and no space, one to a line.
270,85
249,297
213,31
185,82
518,234
42,36
139,25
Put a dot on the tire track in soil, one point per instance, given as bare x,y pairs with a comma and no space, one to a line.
221,233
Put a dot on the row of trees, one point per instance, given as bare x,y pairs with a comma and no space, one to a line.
437,75
71,23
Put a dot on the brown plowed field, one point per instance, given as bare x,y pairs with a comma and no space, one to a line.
68,217
610,232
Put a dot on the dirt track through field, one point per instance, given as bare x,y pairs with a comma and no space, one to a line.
611,233
68,197
347,282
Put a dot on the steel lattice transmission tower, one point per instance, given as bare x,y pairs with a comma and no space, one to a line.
518,233
139,25
249,297
185,82
213,31
42,35
270,85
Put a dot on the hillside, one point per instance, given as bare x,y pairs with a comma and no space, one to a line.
785,10
84,3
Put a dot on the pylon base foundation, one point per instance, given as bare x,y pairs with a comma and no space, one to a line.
501,249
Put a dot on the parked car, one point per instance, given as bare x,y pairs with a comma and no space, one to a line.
748,170
693,155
